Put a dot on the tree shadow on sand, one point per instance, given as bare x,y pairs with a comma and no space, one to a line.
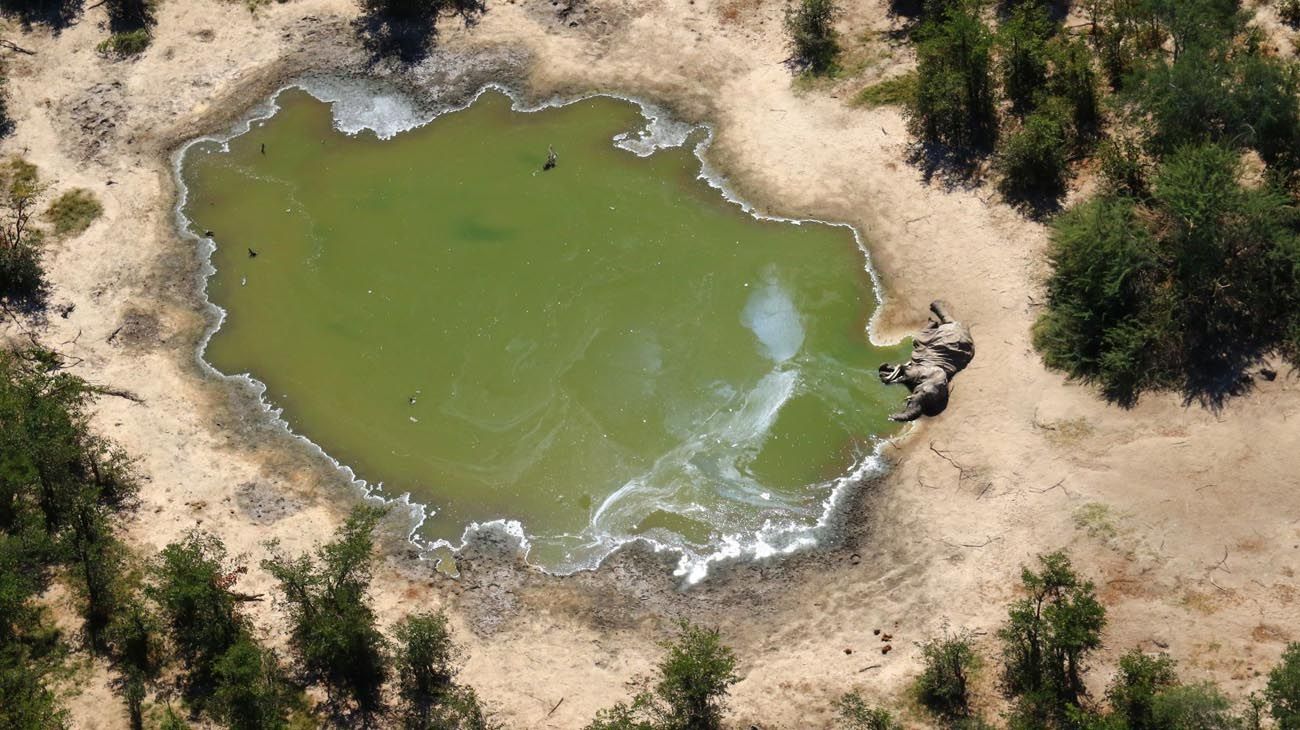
54,14
407,34
952,168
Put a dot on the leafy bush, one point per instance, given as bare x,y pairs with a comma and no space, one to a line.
1074,83
1192,707
691,691
1183,290
136,639
189,579
954,104
1124,168
1133,691
1046,641
427,662
1022,47
125,44
1283,690
333,631
942,687
854,713
72,212
250,692
894,91
22,279
812,33
1032,161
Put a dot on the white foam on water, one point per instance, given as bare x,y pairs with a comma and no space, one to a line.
358,106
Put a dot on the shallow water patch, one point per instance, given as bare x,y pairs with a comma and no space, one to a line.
597,353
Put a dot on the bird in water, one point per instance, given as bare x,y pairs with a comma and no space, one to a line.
252,254
551,158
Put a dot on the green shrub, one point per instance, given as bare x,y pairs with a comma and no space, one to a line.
249,689
1022,47
72,212
427,662
1133,691
954,103
1283,690
1124,168
1192,707
1074,82
894,91
853,713
942,687
22,278
1046,642
333,629
126,43
189,579
691,690
1183,290
810,24
1032,161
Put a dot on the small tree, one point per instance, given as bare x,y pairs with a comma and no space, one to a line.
810,24
250,692
190,583
22,279
1283,690
942,686
1046,641
427,662
1032,162
1022,46
691,691
334,633
1192,707
136,639
1133,691
954,103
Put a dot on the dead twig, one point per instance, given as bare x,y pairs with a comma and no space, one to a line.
555,707
15,47
1219,565
118,393
1060,484
961,470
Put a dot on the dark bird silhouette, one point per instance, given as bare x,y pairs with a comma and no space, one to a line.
252,254
551,158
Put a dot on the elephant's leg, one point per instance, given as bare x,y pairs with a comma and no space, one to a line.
910,412
940,309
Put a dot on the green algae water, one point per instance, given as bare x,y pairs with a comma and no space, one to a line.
584,356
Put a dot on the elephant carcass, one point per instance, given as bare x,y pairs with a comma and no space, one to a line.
939,351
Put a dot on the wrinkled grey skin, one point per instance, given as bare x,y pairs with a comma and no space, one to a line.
939,352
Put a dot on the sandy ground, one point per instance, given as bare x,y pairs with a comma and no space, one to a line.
1187,518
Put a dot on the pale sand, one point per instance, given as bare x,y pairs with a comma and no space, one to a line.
1170,489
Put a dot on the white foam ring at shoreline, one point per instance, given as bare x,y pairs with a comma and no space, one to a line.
365,105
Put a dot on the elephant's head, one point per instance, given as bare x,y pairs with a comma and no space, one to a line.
929,386
939,352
